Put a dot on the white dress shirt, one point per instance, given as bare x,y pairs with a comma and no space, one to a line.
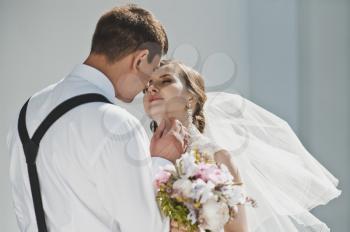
94,165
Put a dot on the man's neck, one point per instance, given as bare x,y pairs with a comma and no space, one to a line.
111,71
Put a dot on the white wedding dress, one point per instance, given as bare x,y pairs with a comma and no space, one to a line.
277,171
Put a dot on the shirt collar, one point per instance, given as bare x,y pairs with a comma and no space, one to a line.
96,78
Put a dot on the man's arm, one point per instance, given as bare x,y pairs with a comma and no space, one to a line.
158,163
124,180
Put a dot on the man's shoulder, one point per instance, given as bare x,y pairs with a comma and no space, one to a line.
113,112
116,119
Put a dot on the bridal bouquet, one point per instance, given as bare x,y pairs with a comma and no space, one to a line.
197,193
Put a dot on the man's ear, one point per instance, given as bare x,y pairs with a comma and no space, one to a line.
140,57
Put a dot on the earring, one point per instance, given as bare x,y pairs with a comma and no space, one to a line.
191,126
189,114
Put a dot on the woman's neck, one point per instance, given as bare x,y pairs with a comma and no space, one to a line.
182,117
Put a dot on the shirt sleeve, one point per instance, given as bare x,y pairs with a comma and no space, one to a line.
158,163
124,179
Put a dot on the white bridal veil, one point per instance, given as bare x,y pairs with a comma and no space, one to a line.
277,170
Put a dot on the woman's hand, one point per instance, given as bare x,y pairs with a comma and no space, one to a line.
175,227
169,141
224,157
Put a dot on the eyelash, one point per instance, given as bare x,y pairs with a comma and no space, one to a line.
163,82
166,81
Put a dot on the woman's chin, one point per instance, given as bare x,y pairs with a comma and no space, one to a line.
156,114
157,118
155,110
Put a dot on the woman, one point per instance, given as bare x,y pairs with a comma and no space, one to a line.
274,167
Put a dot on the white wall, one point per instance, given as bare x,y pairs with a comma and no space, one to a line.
273,56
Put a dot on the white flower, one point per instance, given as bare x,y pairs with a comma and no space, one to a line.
227,176
234,194
213,216
187,165
169,168
203,191
192,216
183,186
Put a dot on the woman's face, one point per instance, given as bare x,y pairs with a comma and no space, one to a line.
166,94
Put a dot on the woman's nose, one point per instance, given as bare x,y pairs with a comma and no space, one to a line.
152,89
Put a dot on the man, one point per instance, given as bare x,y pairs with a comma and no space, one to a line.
94,164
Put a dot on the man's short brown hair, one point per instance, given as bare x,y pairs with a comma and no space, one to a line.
126,29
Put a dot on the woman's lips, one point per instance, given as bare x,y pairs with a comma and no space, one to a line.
154,98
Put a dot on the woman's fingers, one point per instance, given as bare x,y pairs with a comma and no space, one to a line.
175,227
175,125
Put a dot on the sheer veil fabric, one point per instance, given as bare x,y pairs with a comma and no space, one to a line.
277,170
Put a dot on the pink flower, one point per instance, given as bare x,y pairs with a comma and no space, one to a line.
217,176
161,178
203,171
213,173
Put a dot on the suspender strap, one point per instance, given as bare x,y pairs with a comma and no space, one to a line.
31,145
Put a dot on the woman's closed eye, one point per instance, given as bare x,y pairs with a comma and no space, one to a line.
166,81
158,83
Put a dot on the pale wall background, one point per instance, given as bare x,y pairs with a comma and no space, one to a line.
290,56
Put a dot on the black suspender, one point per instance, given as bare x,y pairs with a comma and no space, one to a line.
31,145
